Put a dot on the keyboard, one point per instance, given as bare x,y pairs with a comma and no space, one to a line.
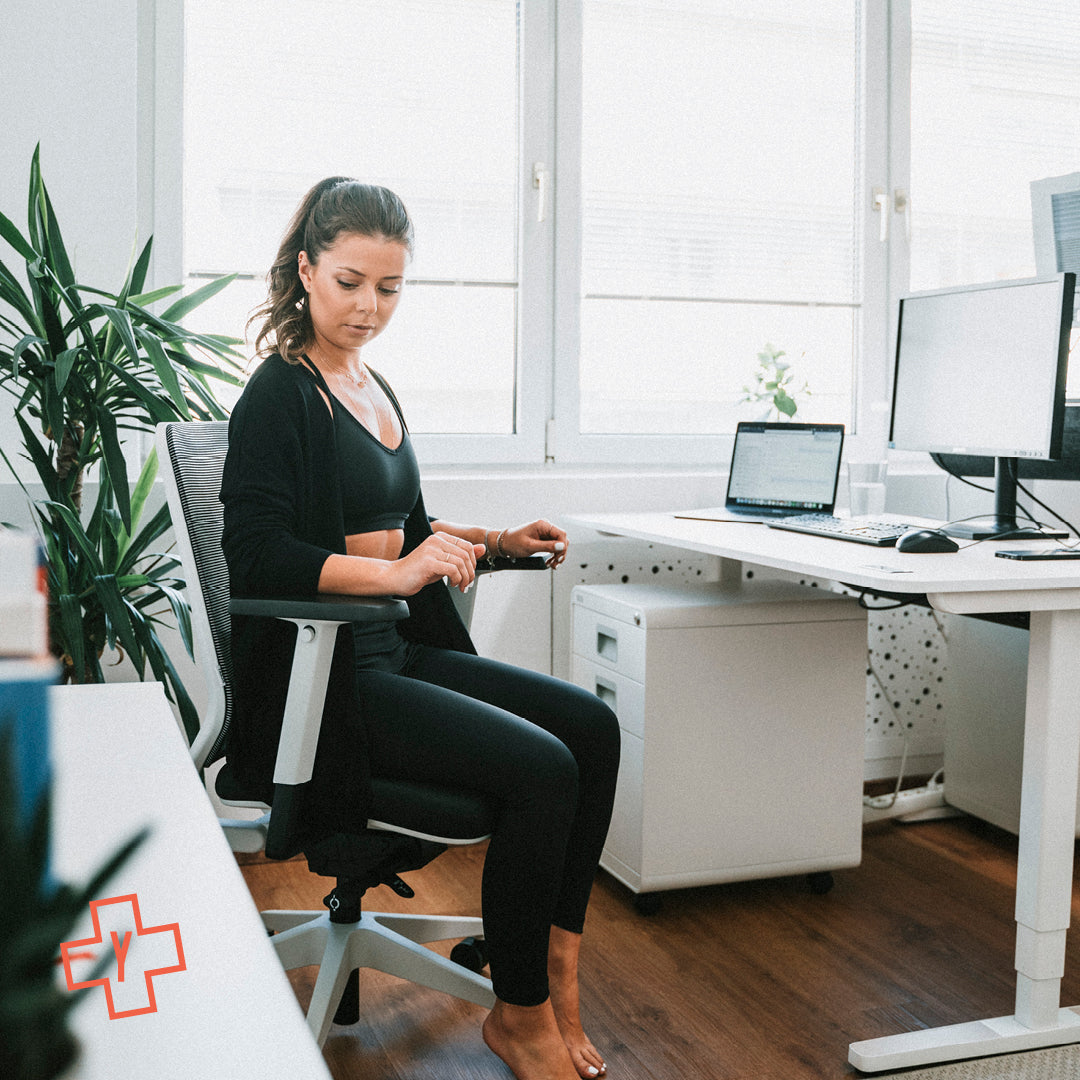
879,531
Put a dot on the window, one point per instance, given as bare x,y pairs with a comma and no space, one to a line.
720,196
995,104
423,97
711,223
620,203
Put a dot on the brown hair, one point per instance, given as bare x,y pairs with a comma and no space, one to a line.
333,206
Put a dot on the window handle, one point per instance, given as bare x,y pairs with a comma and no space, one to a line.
541,179
881,206
902,205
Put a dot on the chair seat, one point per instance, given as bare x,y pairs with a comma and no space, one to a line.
450,815
232,792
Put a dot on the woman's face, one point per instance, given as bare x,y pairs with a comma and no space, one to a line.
353,289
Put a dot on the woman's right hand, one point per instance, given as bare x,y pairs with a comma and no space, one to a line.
439,556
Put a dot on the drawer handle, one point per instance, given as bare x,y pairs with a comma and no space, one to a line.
607,694
607,644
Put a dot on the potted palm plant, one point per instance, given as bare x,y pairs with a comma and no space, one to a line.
89,368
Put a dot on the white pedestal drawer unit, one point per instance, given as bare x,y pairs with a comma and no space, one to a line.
742,709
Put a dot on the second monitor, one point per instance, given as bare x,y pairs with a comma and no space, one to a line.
981,370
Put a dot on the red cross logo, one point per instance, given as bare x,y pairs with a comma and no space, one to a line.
139,950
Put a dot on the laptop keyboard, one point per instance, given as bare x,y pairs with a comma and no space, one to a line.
879,531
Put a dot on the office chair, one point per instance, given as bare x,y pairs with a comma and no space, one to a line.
409,824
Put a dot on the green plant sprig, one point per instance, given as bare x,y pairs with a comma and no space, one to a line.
775,384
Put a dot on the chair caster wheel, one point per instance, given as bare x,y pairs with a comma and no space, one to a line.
820,883
648,903
470,953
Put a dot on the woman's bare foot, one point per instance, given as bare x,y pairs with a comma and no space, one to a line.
563,949
528,1040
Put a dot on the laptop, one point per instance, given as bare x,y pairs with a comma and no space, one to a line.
779,470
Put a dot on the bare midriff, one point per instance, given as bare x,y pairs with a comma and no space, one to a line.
381,544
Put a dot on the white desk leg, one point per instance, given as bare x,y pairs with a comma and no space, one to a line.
1044,874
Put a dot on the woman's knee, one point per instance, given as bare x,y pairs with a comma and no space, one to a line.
606,725
596,737
553,767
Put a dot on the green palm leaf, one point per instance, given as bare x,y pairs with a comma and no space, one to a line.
120,322
190,302
160,362
86,367
114,462
15,238
118,620
137,276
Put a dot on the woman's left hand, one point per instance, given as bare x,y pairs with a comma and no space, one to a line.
535,538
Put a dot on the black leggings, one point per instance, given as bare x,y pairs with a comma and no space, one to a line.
543,752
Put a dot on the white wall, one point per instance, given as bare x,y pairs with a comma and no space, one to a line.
71,85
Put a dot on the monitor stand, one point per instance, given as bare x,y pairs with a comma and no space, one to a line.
1003,523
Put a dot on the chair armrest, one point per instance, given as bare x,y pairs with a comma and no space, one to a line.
499,563
325,606
317,619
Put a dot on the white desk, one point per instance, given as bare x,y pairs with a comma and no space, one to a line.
120,763
970,581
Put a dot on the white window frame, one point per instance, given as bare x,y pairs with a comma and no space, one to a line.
161,116
866,436
535,245
547,380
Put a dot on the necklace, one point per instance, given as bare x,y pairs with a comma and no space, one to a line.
385,429
344,373
357,380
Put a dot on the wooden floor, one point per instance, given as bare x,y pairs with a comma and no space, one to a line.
750,981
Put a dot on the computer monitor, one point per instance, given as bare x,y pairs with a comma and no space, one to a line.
1064,467
1055,222
981,370
1055,227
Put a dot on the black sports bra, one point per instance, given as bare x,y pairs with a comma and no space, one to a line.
379,486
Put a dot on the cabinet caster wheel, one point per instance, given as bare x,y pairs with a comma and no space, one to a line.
470,953
820,883
648,903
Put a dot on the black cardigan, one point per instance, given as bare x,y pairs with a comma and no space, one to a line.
283,519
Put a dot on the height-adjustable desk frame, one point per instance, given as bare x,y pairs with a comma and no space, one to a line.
969,582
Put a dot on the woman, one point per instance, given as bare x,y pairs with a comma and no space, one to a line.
322,494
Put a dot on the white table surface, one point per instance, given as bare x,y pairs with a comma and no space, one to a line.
970,581
120,762
955,581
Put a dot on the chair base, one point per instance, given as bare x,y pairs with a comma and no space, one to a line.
247,836
384,941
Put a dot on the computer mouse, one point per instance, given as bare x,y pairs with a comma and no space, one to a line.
926,540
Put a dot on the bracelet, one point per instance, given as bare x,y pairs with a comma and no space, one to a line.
498,544
489,554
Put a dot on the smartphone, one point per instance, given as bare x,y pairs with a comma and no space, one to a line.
1039,553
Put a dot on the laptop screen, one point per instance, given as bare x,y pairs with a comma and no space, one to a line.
784,468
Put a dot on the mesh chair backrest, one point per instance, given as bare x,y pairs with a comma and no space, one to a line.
196,456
